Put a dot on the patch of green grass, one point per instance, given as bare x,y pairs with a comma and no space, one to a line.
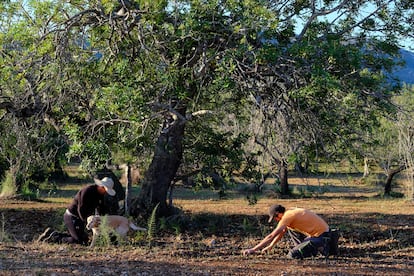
248,227
28,193
301,192
4,237
8,187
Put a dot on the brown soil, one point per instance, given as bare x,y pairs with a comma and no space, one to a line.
376,239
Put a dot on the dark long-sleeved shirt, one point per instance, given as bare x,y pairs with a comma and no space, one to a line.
86,201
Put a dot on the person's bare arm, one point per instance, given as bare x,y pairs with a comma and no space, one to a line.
272,238
274,241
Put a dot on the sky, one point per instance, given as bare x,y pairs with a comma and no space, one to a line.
405,42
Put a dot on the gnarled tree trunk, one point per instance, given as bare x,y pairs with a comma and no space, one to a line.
162,170
390,176
283,174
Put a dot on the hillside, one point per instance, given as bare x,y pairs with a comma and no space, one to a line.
406,74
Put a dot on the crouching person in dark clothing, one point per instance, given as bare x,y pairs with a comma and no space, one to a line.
309,232
85,203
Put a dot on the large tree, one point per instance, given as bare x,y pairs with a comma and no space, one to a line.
129,74
30,146
326,77
405,128
392,144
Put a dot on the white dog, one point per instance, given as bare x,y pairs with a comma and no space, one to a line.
118,224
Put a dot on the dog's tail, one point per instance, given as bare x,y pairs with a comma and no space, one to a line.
136,228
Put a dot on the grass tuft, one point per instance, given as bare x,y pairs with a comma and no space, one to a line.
152,225
8,187
4,237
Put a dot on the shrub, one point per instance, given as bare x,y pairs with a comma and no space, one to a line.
8,186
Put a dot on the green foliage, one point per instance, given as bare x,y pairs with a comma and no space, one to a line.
29,191
109,5
252,199
28,143
105,236
175,224
217,153
110,85
404,125
8,185
152,225
393,194
276,187
302,192
248,227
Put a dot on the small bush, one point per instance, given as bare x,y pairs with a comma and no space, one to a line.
8,187
27,191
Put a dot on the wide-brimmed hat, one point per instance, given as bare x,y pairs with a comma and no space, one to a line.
108,184
274,210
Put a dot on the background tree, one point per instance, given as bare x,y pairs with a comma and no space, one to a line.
385,153
31,147
322,87
404,126
391,146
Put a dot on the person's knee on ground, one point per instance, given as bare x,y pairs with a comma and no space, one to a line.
333,242
76,228
70,240
304,250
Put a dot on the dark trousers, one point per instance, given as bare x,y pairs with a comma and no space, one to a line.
76,228
307,246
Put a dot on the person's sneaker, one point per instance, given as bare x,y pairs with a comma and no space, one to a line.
45,234
54,237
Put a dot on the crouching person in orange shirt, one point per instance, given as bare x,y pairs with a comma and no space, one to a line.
309,232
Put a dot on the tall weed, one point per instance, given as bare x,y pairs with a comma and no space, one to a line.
152,225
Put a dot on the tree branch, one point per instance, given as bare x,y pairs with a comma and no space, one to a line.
316,14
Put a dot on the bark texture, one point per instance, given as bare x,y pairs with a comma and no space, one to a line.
161,172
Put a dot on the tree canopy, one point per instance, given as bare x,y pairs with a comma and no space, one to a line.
123,76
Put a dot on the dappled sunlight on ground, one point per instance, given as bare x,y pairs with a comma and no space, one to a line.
207,239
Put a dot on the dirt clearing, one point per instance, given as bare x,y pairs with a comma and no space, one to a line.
376,239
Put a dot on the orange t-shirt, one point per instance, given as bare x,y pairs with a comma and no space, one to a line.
304,221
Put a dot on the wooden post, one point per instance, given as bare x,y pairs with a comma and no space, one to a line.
128,188
366,167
